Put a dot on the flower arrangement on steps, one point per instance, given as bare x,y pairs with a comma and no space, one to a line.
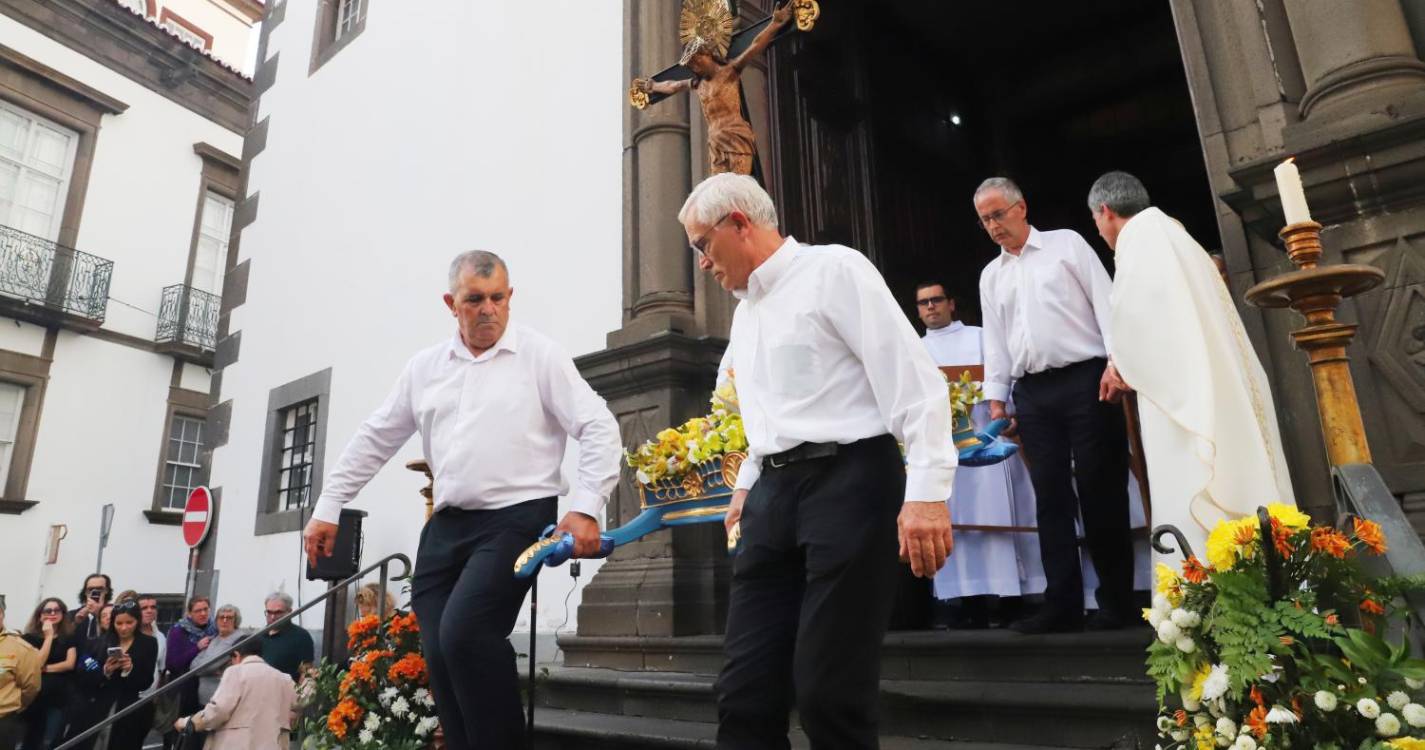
381,699
1277,642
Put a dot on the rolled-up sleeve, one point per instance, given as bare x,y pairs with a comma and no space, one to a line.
587,419
998,377
375,442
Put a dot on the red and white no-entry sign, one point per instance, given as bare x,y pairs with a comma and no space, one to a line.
197,517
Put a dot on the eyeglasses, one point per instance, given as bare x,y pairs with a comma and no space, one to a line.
52,611
275,612
997,217
226,617
931,301
700,246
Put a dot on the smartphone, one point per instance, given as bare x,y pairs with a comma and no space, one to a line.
115,652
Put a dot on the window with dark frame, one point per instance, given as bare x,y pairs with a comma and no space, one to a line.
348,13
338,23
182,469
298,424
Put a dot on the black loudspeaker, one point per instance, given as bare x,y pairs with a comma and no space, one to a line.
345,559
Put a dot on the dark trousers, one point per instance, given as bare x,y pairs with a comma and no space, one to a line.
812,589
11,728
1071,439
466,598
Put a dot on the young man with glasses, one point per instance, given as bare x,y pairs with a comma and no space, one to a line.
287,647
93,596
1045,301
829,376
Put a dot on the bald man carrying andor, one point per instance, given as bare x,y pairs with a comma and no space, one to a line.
495,406
1210,435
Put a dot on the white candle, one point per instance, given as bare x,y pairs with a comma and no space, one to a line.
1293,196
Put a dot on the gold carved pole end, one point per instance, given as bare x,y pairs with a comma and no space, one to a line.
806,13
637,96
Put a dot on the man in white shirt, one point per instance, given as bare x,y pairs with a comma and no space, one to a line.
985,564
829,375
1046,313
495,406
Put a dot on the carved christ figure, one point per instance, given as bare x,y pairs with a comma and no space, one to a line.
718,84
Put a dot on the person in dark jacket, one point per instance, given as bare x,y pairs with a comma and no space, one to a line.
52,634
113,674
186,638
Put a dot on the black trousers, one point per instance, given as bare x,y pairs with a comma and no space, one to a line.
812,589
1071,439
466,598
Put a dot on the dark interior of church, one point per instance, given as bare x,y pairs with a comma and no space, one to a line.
891,112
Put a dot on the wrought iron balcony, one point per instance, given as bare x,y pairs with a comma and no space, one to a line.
52,277
188,320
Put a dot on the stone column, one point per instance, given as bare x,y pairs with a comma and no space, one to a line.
1352,54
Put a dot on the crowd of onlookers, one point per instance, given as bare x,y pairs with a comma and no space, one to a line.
68,670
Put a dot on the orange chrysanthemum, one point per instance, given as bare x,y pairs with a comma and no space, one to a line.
403,624
1244,536
1372,607
360,631
1330,541
1194,571
1368,533
1281,537
410,667
1256,696
1257,722
1180,717
342,716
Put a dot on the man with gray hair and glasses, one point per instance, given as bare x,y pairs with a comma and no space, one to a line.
1044,301
1210,436
495,406
829,376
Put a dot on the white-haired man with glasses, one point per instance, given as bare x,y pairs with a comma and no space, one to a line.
830,375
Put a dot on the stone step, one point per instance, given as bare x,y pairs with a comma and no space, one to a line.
998,655
557,729
1092,714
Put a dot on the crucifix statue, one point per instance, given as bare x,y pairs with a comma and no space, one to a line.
711,66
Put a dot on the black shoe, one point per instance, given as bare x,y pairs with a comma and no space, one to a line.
1048,622
1104,619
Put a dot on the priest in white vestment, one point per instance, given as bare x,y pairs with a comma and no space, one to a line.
985,563
1210,435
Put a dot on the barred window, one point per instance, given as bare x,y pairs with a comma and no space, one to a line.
347,14
182,468
298,424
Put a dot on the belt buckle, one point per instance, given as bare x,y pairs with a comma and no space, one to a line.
773,461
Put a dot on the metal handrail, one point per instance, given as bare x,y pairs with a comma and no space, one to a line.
194,674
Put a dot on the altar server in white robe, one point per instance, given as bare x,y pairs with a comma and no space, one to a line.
984,562
1210,434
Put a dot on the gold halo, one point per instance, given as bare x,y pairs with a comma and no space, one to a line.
708,21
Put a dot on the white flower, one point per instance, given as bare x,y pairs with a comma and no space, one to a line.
423,696
1368,708
365,736
1168,632
1280,715
1361,680
426,726
1226,729
1397,700
1185,645
642,477
1156,617
1165,724
1414,684
1387,725
1190,703
1244,742
373,721
388,695
1185,619
1414,714
1325,700
400,707
1179,735
1200,720
1160,603
1215,686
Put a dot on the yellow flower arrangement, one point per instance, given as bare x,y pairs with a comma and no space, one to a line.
675,451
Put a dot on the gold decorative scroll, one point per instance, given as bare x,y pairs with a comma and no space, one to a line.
806,12
706,24
637,97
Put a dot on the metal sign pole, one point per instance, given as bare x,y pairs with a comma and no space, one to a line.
106,522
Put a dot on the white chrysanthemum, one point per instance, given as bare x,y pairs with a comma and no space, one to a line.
1414,715
1387,725
1185,645
1216,684
1161,602
1179,735
388,695
1325,700
1190,703
1165,724
1156,617
400,707
1414,684
1368,708
1397,700
1185,619
1280,715
1201,720
1244,742
1168,632
365,736
426,726
373,721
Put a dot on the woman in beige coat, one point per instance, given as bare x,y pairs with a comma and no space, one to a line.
252,709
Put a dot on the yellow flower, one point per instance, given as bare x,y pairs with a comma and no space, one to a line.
1198,678
1225,545
1406,743
1169,584
1203,736
1289,515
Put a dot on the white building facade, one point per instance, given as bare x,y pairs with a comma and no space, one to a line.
120,146
391,136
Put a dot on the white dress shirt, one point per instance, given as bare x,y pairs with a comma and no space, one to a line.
493,428
1044,308
824,354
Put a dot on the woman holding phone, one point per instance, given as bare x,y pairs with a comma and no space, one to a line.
120,665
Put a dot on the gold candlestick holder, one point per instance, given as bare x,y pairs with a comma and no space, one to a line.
1315,291
428,491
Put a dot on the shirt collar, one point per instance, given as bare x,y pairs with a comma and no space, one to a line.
954,326
509,342
1035,242
766,276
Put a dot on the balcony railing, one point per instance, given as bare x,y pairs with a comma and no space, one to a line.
188,317
40,272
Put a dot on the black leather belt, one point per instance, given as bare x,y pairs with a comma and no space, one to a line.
803,452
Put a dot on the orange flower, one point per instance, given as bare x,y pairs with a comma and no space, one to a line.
1194,571
1286,640
1330,541
403,624
344,714
410,667
1372,607
1332,619
1256,696
1368,533
1244,536
360,631
1296,706
1180,716
1257,722
1281,538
